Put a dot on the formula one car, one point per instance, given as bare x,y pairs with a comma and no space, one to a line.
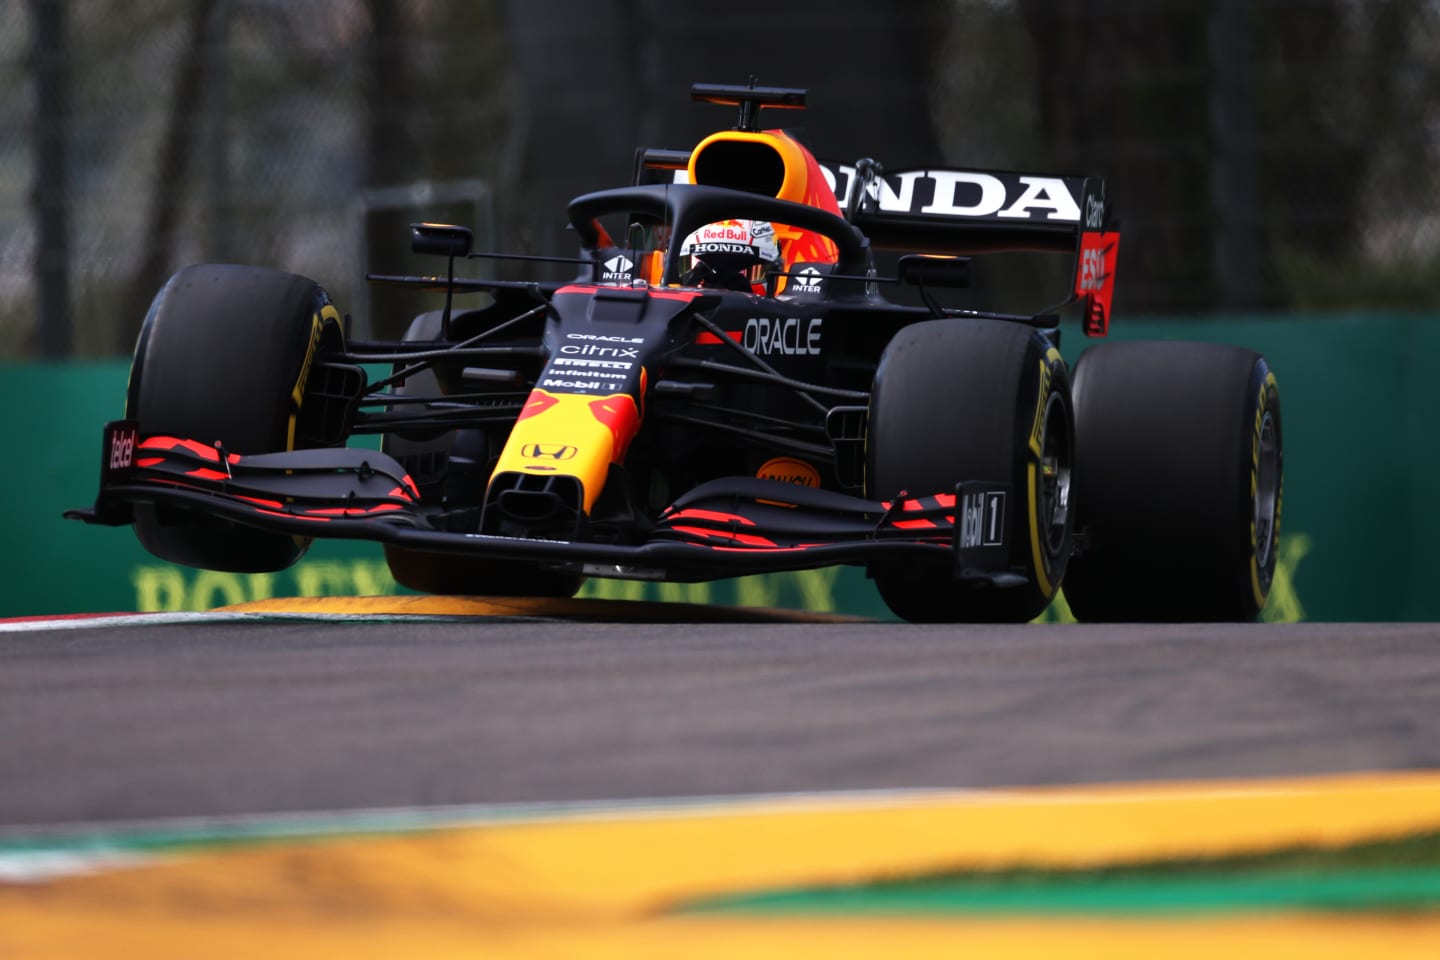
722,389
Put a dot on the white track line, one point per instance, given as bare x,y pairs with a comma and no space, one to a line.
98,621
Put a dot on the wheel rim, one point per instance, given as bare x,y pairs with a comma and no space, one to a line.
1056,464
1267,490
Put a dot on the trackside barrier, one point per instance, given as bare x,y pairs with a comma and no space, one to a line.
1356,535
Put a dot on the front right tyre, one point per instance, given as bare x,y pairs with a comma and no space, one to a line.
971,399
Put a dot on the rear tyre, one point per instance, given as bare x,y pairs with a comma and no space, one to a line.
961,400
223,357
1179,480
434,462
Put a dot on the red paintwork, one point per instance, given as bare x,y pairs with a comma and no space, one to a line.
621,416
713,515
536,405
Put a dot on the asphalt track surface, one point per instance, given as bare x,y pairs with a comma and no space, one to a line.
198,720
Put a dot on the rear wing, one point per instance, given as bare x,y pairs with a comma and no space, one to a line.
959,212
944,211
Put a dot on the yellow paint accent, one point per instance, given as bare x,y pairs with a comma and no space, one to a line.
568,422
1037,555
598,886
584,608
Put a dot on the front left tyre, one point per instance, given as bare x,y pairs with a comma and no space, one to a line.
223,357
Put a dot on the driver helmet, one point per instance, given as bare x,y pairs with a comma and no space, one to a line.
733,254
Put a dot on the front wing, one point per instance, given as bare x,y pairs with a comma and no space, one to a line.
727,527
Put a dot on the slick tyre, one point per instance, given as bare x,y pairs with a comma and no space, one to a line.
957,400
436,461
1178,483
223,357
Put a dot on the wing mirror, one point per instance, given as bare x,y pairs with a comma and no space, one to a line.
445,239
921,270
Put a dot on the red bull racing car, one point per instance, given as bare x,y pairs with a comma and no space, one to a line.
728,386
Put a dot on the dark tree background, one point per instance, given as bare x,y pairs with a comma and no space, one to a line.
1262,154
631,63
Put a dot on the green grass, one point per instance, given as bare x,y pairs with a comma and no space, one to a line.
1401,874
